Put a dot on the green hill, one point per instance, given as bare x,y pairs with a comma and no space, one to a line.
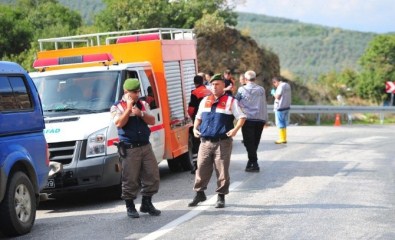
306,49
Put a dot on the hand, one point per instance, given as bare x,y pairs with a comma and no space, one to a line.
136,111
273,92
196,133
231,133
129,102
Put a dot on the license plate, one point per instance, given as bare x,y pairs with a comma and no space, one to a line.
51,183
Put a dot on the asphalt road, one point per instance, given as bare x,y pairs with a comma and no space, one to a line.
326,183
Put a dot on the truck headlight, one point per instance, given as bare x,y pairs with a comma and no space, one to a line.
96,144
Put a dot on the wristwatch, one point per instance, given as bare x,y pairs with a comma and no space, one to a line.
142,114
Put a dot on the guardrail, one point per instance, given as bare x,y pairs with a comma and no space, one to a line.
349,110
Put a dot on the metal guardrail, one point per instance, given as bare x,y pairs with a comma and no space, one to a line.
338,109
349,110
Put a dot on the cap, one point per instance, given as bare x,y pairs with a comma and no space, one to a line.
131,84
217,76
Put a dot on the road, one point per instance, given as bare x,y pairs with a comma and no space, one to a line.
326,183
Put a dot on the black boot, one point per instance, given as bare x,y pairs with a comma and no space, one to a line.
220,201
194,167
131,209
252,167
199,197
147,207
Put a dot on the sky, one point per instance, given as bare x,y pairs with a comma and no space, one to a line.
376,16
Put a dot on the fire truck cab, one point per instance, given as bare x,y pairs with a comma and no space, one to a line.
80,77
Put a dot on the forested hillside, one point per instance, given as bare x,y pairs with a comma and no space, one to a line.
87,8
302,52
306,49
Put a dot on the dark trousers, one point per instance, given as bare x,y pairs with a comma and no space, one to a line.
252,131
195,145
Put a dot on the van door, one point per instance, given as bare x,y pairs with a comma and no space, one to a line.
149,93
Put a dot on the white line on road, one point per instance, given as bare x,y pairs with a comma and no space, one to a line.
194,212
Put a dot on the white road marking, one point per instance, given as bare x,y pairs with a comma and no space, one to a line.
193,213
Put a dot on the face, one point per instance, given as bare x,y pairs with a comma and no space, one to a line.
242,79
208,77
227,75
132,94
217,87
275,82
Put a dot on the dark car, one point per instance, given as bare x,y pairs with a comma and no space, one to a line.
24,160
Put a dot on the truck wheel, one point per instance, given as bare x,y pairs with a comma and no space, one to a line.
174,165
18,209
186,160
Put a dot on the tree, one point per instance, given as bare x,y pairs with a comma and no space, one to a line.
15,31
378,64
138,14
128,14
29,20
50,18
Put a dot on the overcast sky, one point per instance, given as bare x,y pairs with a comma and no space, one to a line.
361,15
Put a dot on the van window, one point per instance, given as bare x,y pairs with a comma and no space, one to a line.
14,95
82,93
151,96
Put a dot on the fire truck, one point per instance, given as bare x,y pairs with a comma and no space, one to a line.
80,77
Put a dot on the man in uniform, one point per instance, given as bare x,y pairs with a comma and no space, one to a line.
139,167
214,125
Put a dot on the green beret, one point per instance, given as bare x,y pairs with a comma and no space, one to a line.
217,76
131,84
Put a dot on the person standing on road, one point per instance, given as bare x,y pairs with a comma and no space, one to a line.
252,100
140,170
282,105
197,95
229,82
214,125
207,78
242,80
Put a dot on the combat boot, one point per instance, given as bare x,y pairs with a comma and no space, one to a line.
148,207
199,197
220,201
131,209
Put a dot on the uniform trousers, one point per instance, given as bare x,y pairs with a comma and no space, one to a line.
139,172
214,155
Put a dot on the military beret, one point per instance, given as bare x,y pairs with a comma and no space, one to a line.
131,84
217,76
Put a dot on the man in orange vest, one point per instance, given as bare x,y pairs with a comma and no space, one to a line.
197,95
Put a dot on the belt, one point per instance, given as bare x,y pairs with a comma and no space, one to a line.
214,139
135,144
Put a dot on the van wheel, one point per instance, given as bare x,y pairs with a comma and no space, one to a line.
18,209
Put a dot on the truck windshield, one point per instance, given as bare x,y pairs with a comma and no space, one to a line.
78,92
